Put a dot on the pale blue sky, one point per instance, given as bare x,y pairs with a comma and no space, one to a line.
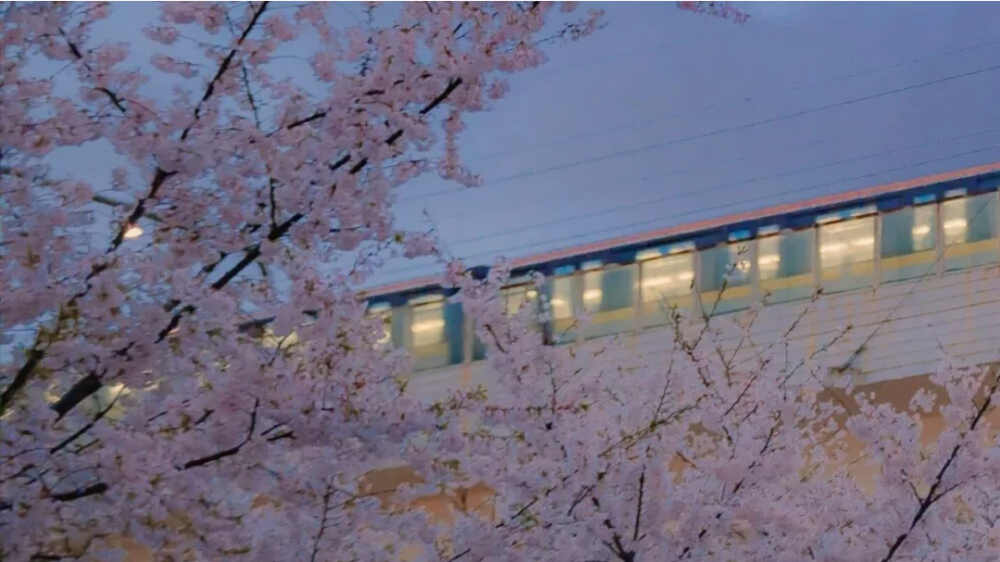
667,117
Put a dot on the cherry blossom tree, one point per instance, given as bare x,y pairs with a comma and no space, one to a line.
144,406
716,452
207,383
724,10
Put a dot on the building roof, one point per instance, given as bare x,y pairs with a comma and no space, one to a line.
818,204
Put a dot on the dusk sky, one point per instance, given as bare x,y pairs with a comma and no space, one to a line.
667,117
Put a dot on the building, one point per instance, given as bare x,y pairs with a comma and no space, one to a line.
905,268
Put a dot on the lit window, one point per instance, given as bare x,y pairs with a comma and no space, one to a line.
562,307
427,327
607,296
969,226
516,297
383,313
785,265
666,282
725,282
428,339
847,254
909,239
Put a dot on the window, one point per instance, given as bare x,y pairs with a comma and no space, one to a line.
725,281
607,296
435,333
524,295
562,303
513,299
909,242
969,226
384,313
666,283
516,297
847,254
785,264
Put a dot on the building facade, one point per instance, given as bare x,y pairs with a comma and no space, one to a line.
905,270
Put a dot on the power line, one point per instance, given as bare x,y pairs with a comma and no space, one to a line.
659,220
735,184
677,171
547,72
730,103
716,132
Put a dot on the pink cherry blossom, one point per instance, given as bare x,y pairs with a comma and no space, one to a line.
170,425
206,381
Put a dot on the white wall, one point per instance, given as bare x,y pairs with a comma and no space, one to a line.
903,323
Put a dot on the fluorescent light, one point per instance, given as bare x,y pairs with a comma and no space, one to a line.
592,295
921,230
768,259
531,294
955,224
657,281
685,275
863,242
133,231
427,325
832,248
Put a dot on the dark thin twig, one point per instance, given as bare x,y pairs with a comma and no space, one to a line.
202,461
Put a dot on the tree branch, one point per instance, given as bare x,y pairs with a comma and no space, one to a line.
79,433
160,176
81,493
638,509
322,524
932,494
202,461
254,252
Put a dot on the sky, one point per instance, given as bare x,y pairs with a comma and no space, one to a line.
666,117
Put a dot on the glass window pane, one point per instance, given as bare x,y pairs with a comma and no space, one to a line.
383,313
724,282
428,337
666,283
513,299
561,300
785,265
909,242
847,254
400,326
607,296
478,349
969,225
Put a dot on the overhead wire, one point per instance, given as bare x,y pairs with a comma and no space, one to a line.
578,191
730,103
622,229
720,131
550,71
724,186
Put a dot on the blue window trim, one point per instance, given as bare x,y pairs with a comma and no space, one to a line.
703,239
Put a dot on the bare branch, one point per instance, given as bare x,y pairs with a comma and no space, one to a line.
202,461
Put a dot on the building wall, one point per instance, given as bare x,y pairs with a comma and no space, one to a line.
898,330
